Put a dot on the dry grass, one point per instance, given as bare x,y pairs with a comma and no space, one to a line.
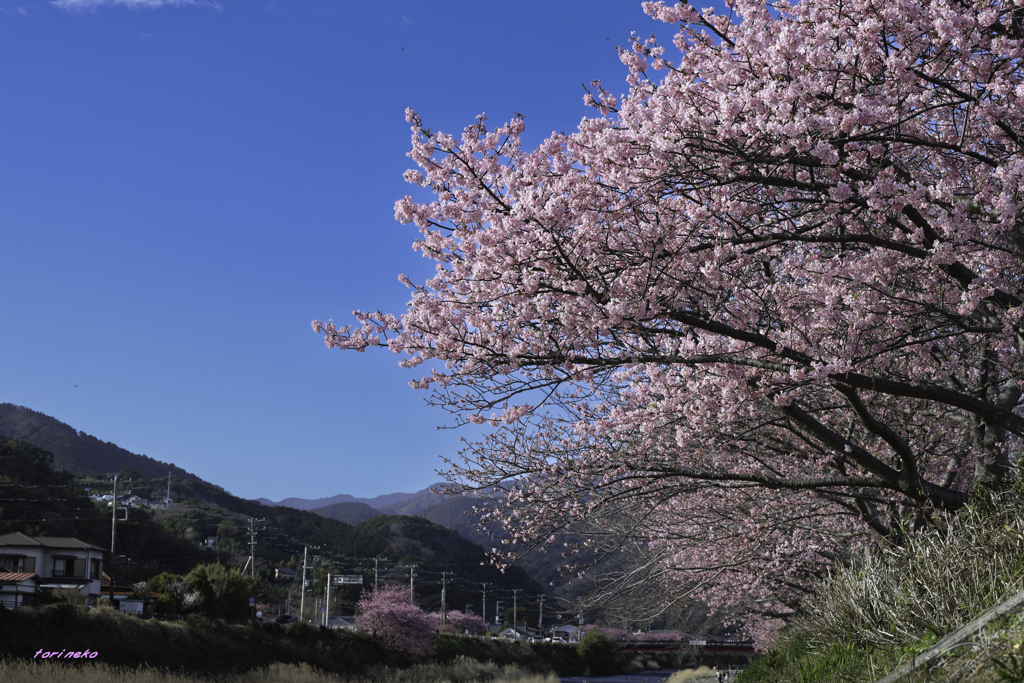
692,675
462,670
996,654
932,585
862,623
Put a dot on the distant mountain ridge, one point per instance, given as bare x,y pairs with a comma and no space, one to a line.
350,513
355,511
381,503
83,454
78,452
389,503
200,505
416,504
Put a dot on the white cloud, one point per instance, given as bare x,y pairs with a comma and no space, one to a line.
90,5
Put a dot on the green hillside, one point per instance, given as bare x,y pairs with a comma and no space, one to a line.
350,513
457,513
74,451
208,510
38,498
414,505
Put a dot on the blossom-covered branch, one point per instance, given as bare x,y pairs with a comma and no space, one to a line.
777,290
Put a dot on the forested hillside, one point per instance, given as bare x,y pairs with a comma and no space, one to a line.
350,513
74,451
456,513
377,502
413,505
38,500
40,495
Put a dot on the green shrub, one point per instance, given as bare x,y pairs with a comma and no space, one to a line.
599,652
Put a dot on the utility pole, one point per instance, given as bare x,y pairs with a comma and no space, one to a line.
515,612
302,602
252,543
113,523
497,612
540,619
168,488
444,586
327,601
412,575
376,567
113,517
483,604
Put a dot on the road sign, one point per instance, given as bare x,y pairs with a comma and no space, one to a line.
347,579
252,601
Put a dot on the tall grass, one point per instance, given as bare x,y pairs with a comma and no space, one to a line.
461,670
862,622
936,582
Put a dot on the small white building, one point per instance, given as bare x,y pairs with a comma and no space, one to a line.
518,633
56,561
125,597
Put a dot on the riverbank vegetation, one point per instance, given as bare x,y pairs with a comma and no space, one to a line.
869,618
463,670
201,646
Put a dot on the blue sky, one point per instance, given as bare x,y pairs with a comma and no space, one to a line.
185,185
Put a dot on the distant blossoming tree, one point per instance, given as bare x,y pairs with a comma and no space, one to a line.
462,622
391,617
764,308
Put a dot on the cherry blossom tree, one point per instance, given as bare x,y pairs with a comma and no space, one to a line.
459,622
391,617
761,309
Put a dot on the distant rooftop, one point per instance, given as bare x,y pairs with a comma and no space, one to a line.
19,539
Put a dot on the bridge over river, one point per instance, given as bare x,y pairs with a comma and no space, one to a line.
698,647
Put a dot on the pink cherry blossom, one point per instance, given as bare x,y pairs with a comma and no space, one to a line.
767,307
391,617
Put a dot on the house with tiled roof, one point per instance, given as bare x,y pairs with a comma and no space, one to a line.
18,588
31,564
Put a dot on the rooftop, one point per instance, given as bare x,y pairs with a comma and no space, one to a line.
66,542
